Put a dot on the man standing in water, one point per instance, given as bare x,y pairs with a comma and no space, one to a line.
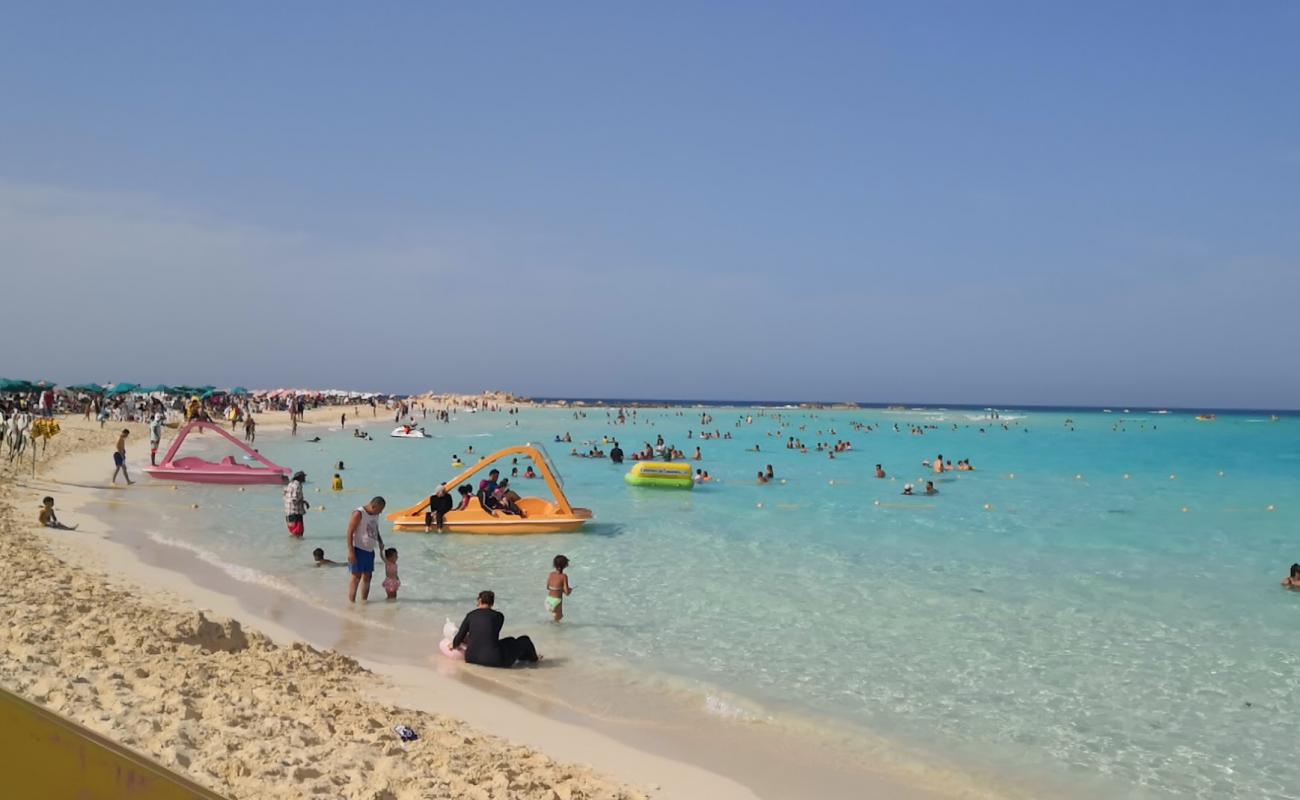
295,505
363,539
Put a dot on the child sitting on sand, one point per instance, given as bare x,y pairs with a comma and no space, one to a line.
338,483
48,518
391,581
557,587
321,560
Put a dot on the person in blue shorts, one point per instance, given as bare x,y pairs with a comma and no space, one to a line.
363,539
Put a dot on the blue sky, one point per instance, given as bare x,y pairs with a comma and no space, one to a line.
931,202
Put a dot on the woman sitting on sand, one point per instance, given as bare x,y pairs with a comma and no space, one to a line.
481,633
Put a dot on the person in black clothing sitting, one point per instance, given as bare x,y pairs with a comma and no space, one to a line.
439,504
481,630
487,490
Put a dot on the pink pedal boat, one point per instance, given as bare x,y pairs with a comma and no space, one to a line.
227,471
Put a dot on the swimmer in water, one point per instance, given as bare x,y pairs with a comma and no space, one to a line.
938,463
321,561
929,488
1293,580
762,478
880,471
907,489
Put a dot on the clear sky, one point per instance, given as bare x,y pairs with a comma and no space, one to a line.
1093,203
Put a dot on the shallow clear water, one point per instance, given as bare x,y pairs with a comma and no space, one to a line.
1076,628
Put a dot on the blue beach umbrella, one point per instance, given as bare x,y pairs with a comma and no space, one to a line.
123,388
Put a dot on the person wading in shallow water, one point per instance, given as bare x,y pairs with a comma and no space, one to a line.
363,539
295,505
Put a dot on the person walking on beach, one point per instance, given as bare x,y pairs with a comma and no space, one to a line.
481,628
119,458
250,429
557,588
363,538
295,505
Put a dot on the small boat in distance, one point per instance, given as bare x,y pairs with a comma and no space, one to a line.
226,471
540,515
1205,417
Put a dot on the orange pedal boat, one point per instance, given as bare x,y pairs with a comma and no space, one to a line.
542,515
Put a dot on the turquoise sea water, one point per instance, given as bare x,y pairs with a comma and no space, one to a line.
1043,615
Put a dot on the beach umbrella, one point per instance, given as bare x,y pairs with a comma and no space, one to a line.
239,390
211,393
12,385
123,388
87,388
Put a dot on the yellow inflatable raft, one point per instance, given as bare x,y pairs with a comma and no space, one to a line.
660,474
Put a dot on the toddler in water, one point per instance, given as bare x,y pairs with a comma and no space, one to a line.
391,581
557,587
338,483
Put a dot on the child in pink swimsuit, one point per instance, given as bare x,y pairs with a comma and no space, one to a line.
391,581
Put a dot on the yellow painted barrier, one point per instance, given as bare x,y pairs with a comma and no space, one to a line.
53,757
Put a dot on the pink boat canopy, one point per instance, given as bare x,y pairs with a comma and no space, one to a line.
227,470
